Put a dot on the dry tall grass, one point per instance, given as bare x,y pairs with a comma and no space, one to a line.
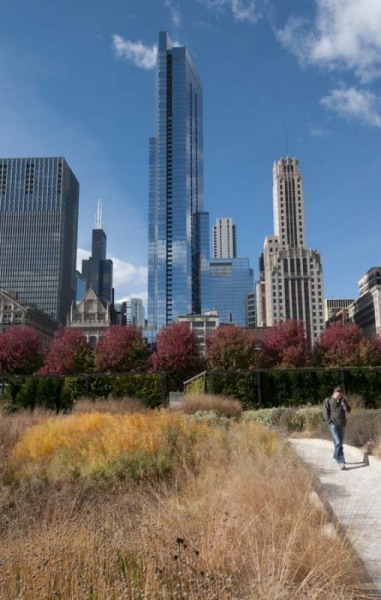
233,521
223,406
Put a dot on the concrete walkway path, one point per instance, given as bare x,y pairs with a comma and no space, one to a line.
353,495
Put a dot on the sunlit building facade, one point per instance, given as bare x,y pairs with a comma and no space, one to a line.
293,274
38,231
224,238
178,237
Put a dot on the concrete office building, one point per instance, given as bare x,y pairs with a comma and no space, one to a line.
366,310
293,274
333,306
178,229
202,326
17,313
224,239
38,231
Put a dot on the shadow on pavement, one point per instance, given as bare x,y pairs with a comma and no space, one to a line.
357,465
337,491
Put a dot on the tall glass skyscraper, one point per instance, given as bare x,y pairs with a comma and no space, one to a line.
178,244
38,232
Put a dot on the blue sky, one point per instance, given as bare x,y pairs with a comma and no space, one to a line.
280,77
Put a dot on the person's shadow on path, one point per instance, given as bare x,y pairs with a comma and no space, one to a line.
358,465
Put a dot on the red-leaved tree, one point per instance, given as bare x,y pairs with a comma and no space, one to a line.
346,345
176,352
232,347
121,349
69,353
20,351
285,345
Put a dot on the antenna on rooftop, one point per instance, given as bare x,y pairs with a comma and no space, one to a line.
286,139
99,215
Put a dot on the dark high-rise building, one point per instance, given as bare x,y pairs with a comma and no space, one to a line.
178,248
97,269
38,232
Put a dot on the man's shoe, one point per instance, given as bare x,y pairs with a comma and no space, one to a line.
342,466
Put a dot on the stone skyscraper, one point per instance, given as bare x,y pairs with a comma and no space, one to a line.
292,274
178,238
38,231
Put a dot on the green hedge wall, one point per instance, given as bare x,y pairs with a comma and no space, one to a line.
59,393
290,387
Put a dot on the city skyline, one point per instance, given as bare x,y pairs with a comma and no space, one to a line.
300,80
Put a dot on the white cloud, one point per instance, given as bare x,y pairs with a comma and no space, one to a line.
126,274
136,53
174,12
354,104
346,34
142,295
242,10
81,255
320,132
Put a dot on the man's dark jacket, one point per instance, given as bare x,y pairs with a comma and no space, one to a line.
334,411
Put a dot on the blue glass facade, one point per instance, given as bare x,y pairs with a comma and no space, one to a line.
176,244
38,231
231,281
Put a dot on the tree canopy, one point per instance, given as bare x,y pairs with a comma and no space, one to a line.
20,351
176,352
68,354
121,348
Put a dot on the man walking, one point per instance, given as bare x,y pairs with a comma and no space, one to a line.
334,413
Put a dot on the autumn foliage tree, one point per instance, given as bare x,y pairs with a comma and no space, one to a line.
285,345
232,347
176,352
20,351
121,349
68,354
346,345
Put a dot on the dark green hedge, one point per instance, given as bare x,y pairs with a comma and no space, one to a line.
292,387
59,393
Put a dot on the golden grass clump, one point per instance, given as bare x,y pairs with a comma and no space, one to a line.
233,522
221,405
13,426
103,444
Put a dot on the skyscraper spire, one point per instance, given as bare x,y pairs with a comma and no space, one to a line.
99,215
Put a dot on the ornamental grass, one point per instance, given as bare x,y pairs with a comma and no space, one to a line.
228,518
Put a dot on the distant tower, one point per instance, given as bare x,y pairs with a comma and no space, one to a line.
135,312
38,231
224,239
178,229
97,269
292,274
